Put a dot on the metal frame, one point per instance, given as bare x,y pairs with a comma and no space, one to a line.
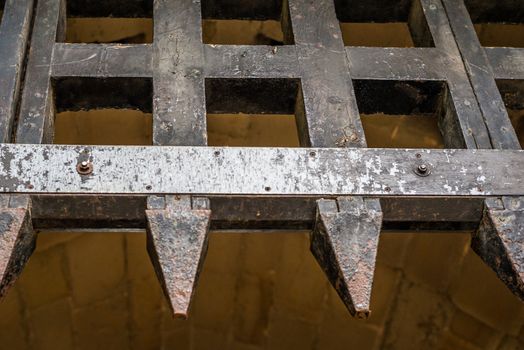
338,188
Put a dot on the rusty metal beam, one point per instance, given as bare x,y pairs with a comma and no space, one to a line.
58,212
177,244
345,242
17,238
499,241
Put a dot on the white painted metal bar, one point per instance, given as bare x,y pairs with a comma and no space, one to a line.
260,171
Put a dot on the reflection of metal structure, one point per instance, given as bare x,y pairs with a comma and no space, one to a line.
345,194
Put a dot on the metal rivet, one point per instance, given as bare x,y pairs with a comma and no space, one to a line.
268,189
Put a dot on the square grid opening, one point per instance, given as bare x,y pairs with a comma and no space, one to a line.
252,112
2,5
255,22
114,111
403,114
512,92
116,21
381,23
498,23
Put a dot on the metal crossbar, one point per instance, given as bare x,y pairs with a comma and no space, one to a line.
334,185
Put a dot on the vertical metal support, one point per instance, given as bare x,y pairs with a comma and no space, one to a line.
37,108
14,33
470,126
345,238
17,238
481,77
345,241
177,236
179,110
178,227
329,117
499,241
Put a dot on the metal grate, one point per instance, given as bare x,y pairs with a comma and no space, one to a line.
333,184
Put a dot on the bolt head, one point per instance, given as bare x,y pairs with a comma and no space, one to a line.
423,168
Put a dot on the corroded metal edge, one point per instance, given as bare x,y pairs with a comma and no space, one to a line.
499,241
17,238
345,242
177,239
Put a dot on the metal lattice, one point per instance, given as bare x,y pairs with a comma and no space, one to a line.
333,185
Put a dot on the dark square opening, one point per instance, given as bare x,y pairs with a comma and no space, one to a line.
512,92
383,23
115,21
498,23
403,114
2,5
113,111
254,22
252,112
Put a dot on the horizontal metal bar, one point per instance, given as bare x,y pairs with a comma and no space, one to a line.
397,63
118,211
101,60
506,62
248,61
215,171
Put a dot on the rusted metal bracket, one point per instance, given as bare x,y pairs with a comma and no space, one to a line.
177,240
17,238
499,241
345,242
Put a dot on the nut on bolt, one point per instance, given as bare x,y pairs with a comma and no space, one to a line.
84,167
422,169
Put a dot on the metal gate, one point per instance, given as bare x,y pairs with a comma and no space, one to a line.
179,188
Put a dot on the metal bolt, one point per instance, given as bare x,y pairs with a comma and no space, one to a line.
84,168
422,170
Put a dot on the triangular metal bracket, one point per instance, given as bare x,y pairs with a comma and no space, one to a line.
17,238
345,242
499,240
177,244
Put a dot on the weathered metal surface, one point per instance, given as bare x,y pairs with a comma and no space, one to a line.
178,65
177,244
102,60
481,75
234,212
260,171
506,62
345,242
180,79
14,33
36,116
318,41
499,240
17,238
